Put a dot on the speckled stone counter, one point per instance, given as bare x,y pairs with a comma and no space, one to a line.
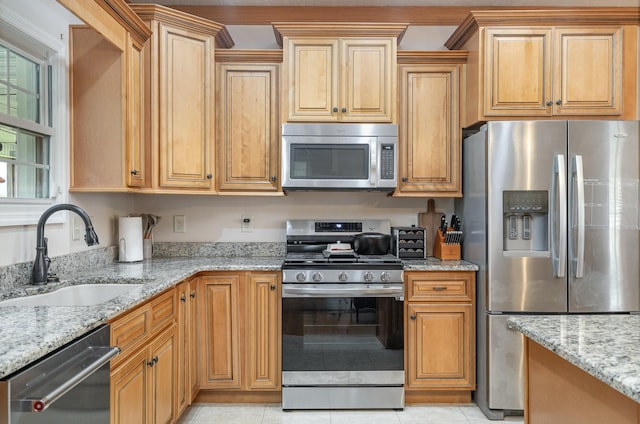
28,333
435,264
605,346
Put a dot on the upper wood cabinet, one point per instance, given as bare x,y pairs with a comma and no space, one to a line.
105,97
429,148
178,63
248,126
557,64
339,72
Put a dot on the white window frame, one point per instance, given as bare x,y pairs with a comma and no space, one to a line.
23,34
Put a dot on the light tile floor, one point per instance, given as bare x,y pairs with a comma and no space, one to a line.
207,413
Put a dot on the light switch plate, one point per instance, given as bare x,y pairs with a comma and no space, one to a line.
179,224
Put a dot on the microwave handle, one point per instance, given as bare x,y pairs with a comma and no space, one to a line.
373,172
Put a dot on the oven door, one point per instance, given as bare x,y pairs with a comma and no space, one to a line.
342,334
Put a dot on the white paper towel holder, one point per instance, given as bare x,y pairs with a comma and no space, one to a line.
130,239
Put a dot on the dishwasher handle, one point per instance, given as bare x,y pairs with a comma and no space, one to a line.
43,402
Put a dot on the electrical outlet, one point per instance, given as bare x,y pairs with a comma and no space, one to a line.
179,224
246,223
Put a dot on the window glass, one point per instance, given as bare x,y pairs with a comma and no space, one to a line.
24,137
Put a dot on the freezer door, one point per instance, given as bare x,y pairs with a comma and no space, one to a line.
521,159
604,239
505,352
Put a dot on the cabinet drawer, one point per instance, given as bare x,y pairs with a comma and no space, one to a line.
130,331
163,311
440,286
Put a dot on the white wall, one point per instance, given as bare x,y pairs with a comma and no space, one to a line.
217,218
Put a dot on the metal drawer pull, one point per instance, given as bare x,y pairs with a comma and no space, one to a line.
39,405
440,288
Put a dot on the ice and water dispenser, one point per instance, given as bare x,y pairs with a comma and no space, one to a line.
526,220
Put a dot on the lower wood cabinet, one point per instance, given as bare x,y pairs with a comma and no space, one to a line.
144,375
440,336
188,382
240,315
143,386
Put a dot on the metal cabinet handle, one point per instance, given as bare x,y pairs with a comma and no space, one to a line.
558,102
549,103
344,110
335,109
183,298
412,317
155,359
192,295
273,178
209,176
42,403
150,363
440,288
134,172
405,179
273,287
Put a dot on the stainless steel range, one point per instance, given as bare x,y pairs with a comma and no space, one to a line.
342,326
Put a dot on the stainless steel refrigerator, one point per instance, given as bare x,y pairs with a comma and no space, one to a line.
551,215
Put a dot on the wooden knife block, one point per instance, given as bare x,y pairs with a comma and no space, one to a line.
445,251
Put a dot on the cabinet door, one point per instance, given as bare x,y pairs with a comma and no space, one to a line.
136,160
588,71
220,331
248,127
194,364
429,131
439,353
162,384
312,79
517,72
263,332
186,109
129,390
184,347
368,80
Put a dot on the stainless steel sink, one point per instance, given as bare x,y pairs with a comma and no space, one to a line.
80,295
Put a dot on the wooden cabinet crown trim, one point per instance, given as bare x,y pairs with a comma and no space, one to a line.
542,17
332,29
128,19
408,57
155,12
249,56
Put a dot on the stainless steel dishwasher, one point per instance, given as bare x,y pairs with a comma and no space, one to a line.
69,386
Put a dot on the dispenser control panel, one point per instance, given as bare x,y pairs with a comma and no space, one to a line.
526,220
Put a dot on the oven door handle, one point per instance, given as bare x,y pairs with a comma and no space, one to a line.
341,290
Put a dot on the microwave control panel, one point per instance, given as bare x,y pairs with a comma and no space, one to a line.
387,162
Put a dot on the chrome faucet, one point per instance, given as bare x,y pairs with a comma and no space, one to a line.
40,270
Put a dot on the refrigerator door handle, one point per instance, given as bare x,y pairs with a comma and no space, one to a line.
559,210
578,170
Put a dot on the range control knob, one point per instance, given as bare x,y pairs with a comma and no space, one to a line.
300,276
385,276
343,276
316,276
368,277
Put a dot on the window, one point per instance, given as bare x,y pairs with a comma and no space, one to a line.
34,120
25,124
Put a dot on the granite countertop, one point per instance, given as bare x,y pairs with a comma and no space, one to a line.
605,346
28,333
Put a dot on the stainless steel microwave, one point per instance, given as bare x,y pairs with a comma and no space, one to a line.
339,156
